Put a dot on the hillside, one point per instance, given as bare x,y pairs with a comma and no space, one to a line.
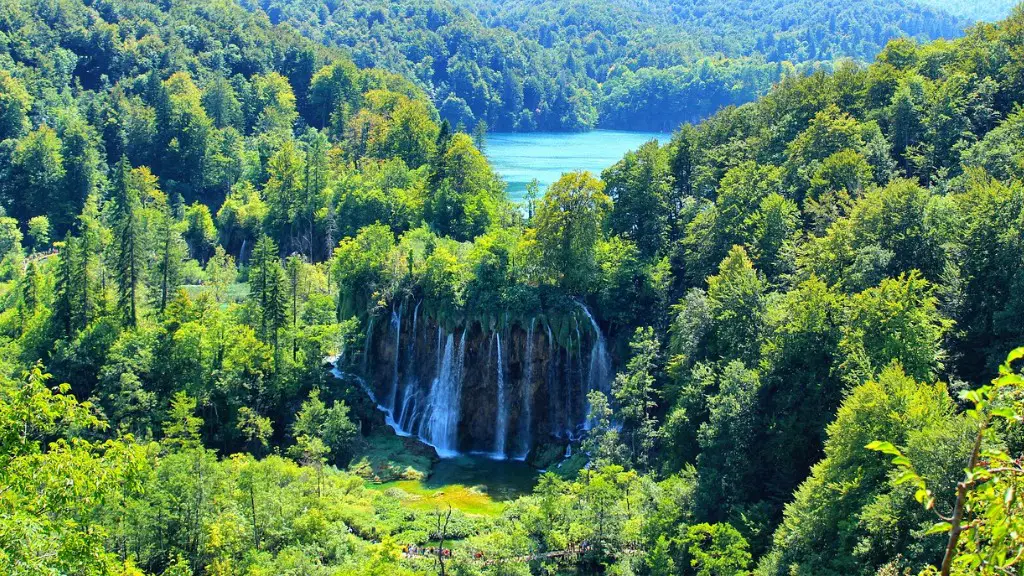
567,65
980,10
262,311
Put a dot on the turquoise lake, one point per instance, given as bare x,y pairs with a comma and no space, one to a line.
520,157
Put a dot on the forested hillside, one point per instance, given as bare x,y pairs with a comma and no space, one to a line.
572,65
987,10
233,261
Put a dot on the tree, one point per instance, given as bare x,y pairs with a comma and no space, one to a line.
464,194
221,272
294,268
268,291
82,171
659,560
182,429
922,419
271,110
39,232
221,103
314,186
14,105
409,134
736,304
282,192
635,394
29,294
333,90
741,215
727,464
129,242
984,528
89,275
255,429
183,133
36,177
332,426
640,186
602,441
480,135
200,233
899,320
64,302
684,160
716,550
10,237
171,252
568,224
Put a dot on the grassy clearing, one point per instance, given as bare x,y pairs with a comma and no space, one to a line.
417,495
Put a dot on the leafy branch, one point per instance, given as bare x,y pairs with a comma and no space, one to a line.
986,504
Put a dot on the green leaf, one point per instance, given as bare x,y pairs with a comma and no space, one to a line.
884,448
1015,355
940,528
908,476
972,396
1006,413
902,461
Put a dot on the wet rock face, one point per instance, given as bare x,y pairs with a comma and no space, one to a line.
545,384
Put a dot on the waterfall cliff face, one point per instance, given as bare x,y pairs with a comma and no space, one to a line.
499,392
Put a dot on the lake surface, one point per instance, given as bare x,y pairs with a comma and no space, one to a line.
519,157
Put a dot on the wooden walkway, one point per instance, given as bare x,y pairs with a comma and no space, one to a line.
526,558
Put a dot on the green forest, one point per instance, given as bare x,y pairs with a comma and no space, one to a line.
529,65
259,284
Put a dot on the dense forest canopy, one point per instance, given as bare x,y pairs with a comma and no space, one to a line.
987,10
221,233
573,65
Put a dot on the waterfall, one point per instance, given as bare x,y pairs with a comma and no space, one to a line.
569,411
552,394
440,426
396,327
501,421
409,407
366,347
600,370
339,374
241,252
526,411
437,363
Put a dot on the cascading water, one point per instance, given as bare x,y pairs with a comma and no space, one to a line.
568,385
396,328
409,408
366,347
440,426
501,420
423,400
526,411
600,370
551,382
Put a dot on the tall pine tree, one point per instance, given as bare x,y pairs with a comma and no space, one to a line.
128,235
